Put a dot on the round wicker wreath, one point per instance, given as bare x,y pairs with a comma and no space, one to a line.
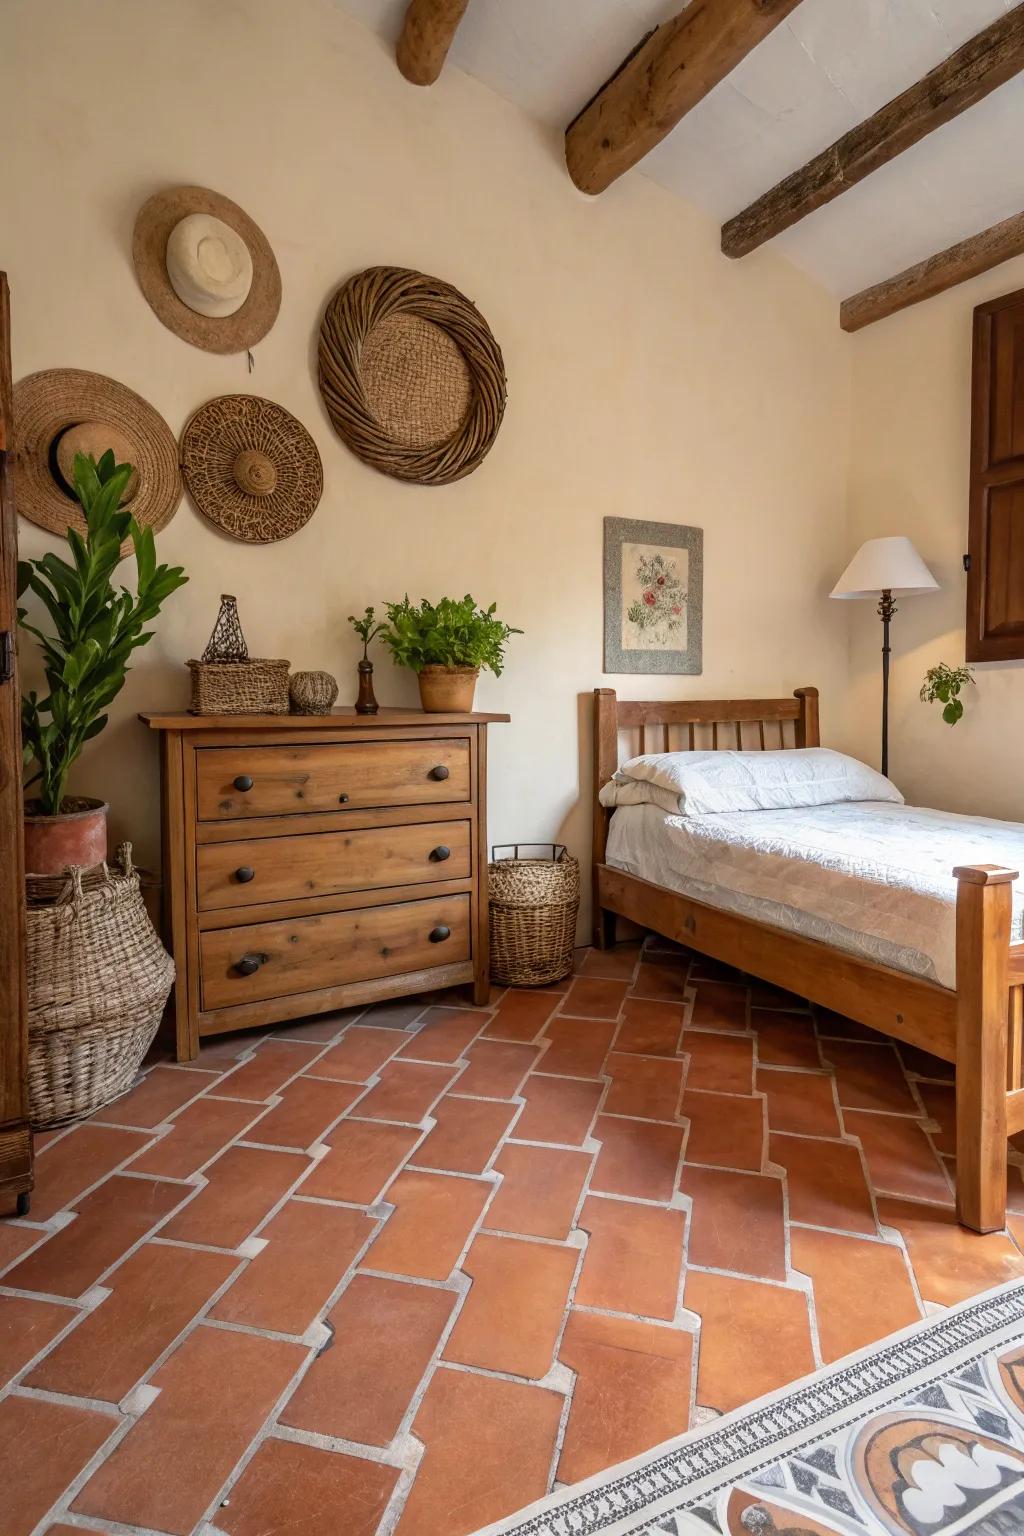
395,294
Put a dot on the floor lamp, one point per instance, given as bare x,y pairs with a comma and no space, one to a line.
886,569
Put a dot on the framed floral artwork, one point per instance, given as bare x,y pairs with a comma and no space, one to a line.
653,596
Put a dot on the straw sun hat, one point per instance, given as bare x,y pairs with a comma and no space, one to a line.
64,411
206,269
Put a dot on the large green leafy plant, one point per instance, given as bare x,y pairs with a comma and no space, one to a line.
451,633
97,627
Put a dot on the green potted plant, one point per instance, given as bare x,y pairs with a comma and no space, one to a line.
446,644
96,628
942,685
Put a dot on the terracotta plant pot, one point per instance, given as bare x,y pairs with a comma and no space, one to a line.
448,690
77,836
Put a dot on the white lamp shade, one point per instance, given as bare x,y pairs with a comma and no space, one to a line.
885,565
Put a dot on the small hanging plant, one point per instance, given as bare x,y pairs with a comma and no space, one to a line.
942,685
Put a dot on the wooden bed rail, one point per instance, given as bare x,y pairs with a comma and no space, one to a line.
984,909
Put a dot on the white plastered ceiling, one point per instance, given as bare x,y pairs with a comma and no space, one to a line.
825,69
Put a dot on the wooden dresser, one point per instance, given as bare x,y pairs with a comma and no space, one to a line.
313,862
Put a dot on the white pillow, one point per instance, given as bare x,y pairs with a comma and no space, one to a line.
705,783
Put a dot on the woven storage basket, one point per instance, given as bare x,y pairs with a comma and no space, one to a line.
534,904
98,979
239,687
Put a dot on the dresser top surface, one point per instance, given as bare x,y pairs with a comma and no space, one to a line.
338,719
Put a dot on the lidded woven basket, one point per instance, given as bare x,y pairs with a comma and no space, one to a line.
98,979
534,903
254,687
226,681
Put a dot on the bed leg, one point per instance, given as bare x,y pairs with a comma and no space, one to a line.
604,928
983,913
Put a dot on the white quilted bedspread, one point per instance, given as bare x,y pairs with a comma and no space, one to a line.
871,878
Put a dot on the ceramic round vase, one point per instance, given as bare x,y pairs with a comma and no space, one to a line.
77,837
448,690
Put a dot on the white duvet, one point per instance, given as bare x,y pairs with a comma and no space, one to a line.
871,877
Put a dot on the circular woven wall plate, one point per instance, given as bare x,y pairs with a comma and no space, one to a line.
231,333
412,378
251,468
63,409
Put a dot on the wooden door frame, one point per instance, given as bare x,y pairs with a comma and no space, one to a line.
15,1137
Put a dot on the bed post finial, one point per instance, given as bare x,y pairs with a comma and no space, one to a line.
606,760
984,909
808,733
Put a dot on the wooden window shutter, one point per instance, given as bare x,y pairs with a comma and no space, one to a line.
995,577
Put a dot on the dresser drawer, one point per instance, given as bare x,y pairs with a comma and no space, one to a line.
329,776
262,869
262,960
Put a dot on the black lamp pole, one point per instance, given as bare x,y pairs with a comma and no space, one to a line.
886,609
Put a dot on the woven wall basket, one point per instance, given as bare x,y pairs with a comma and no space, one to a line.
411,376
533,908
251,468
98,979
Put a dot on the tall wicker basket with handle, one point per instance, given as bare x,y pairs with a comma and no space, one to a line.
98,979
534,904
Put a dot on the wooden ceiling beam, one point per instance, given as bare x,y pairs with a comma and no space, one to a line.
671,70
428,32
966,77
968,259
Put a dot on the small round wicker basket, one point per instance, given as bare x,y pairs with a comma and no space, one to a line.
98,979
534,903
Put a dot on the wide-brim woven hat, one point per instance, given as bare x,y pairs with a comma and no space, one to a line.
61,411
251,468
157,219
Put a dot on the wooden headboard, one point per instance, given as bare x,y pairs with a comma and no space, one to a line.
681,725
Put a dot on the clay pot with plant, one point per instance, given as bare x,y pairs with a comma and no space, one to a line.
96,629
447,645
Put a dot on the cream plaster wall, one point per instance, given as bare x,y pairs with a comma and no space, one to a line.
648,375
910,473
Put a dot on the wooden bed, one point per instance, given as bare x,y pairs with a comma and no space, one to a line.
979,1026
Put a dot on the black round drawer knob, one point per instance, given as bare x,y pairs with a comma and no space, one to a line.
343,799
245,874
439,773
248,965
243,782
439,934
440,853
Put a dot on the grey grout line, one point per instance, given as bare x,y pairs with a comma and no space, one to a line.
82,1522
382,1456
110,1173
57,1511
258,1439
735,1274
75,1318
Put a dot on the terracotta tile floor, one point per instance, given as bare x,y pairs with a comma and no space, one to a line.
322,1278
